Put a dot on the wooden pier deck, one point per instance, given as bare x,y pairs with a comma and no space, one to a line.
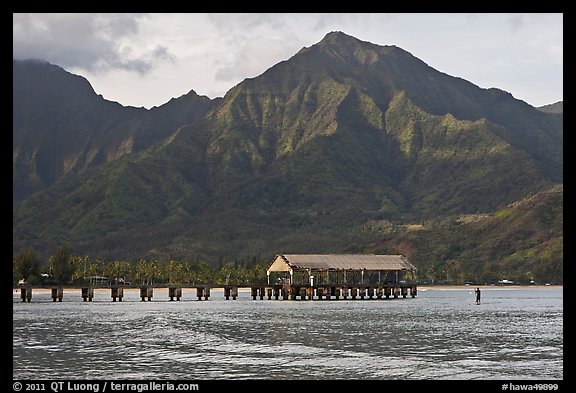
257,292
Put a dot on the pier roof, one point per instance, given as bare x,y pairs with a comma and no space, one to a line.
287,262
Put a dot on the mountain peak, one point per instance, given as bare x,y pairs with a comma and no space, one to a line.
337,35
340,38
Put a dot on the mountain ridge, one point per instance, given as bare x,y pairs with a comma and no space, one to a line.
96,130
556,107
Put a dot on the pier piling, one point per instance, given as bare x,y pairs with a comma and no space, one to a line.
404,291
146,292
87,293
320,293
336,292
387,292
57,293
371,293
203,292
353,292
310,291
26,294
174,292
117,293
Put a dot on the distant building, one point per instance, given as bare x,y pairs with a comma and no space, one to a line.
98,280
339,269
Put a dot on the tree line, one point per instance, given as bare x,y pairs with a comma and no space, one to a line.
65,268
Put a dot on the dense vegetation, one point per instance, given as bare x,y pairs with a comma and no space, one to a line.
345,147
521,242
64,268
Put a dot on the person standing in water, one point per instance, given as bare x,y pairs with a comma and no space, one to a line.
477,295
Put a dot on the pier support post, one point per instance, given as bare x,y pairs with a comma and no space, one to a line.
26,294
336,292
310,292
387,292
276,292
362,291
413,291
117,293
199,292
269,293
174,292
254,292
379,293
87,293
146,292
371,293
234,293
404,291
396,292
353,292
57,293
345,293
292,290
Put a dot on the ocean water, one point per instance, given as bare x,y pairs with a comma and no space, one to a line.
440,334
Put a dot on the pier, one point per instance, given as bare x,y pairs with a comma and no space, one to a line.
295,277
257,292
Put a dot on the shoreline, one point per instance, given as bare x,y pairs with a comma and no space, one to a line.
494,286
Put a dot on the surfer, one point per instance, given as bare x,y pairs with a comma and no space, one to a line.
477,295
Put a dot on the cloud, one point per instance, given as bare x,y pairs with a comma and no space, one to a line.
246,23
162,53
254,57
251,43
93,42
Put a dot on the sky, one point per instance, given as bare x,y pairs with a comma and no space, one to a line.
147,59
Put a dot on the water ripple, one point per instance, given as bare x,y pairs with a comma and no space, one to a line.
515,334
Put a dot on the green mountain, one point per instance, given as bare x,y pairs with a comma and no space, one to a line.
302,159
522,241
61,126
